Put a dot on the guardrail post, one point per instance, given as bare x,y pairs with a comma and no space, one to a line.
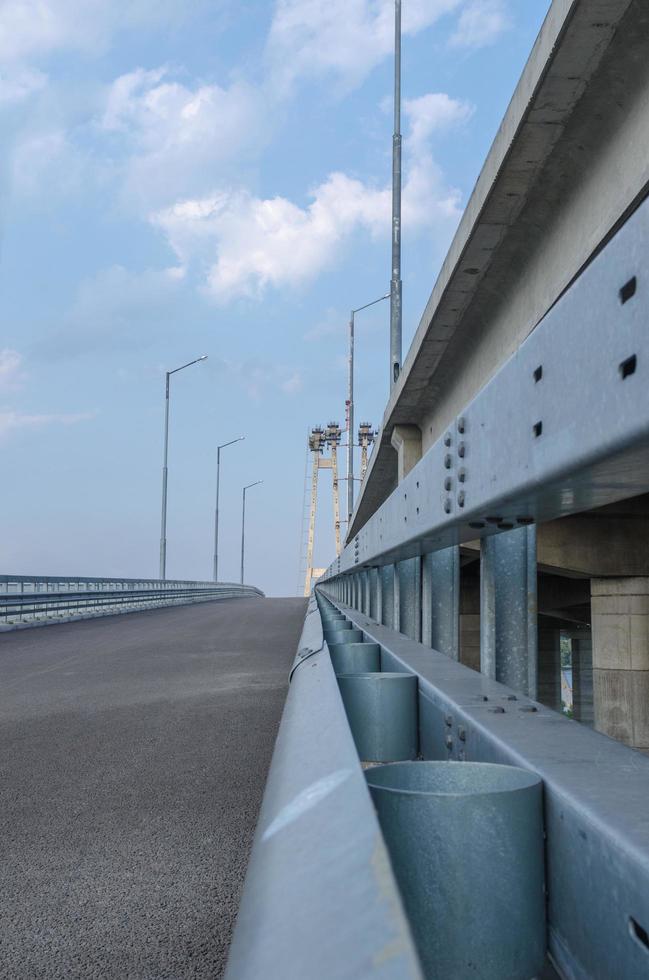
365,593
440,601
387,591
396,597
375,595
508,609
409,575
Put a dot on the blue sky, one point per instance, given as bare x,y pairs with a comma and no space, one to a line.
181,178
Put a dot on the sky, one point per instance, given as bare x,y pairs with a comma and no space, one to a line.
188,177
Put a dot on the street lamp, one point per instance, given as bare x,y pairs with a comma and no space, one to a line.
350,409
216,509
395,281
163,525
243,522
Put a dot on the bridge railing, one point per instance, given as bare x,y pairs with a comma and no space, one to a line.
28,600
560,429
320,900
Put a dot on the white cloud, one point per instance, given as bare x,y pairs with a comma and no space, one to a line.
18,84
480,24
45,161
31,29
173,139
293,384
346,38
257,377
273,242
429,114
11,375
11,421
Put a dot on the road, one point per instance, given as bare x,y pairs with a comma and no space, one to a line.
133,755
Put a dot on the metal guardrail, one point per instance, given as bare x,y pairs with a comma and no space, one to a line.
596,792
533,445
32,600
320,899
561,428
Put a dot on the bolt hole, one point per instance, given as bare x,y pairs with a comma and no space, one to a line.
538,374
538,429
627,367
639,934
628,290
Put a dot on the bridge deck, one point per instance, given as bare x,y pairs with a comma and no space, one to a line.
134,753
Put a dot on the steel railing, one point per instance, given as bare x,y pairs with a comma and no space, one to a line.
28,600
320,900
561,428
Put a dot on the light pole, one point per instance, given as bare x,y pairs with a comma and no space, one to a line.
163,523
243,522
395,281
216,508
350,408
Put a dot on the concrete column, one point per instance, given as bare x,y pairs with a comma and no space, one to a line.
620,625
470,622
508,609
582,678
406,439
440,597
549,688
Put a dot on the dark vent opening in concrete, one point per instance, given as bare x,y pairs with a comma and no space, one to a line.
628,290
639,934
627,367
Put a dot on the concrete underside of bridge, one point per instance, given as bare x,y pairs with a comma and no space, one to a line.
134,756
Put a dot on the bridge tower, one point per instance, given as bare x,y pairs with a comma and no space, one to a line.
366,436
319,440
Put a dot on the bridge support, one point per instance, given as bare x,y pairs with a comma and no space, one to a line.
620,621
406,439
582,677
549,683
508,609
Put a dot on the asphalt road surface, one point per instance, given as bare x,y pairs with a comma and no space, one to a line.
133,756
